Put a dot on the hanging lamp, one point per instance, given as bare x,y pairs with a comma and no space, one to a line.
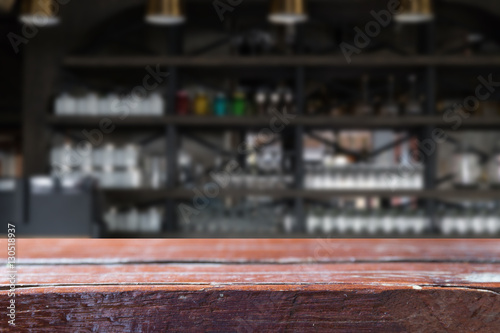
287,12
415,11
164,12
39,12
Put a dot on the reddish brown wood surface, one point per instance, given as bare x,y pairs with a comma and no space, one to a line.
256,286
254,250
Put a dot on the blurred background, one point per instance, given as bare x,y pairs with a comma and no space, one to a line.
250,118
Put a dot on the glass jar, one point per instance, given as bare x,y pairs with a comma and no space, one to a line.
201,104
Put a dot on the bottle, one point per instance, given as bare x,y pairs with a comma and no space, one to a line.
274,102
220,105
494,167
448,222
374,223
358,222
132,220
421,223
111,219
252,173
342,221
479,220
364,108
493,221
390,108
288,106
185,169
260,103
413,106
388,222
329,221
81,102
92,103
201,103
182,103
288,222
239,103
86,164
467,167
156,104
462,222
67,156
314,220
64,104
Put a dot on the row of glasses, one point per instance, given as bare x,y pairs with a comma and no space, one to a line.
134,220
107,157
114,167
241,219
262,180
343,221
112,104
364,177
470,221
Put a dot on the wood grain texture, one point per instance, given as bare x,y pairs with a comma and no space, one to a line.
368,274
346,308
253,250
256,286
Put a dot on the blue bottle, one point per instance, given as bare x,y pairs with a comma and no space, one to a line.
220,105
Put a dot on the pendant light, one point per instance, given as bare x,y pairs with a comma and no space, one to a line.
287,12
164,12
6,5
39,12
415,11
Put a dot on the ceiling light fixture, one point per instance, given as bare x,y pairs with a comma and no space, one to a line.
415,11
164,12
39,13
287,12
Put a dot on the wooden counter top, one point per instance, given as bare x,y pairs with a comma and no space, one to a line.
140,285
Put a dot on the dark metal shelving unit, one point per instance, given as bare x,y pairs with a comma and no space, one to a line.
148,195
296,235
130,122
10,120
173,124
41,68
375,60
133,122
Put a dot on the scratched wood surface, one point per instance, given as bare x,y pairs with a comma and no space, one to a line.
255,285
254,250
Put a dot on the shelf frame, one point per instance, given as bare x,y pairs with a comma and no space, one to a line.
360,61
212,122
41,68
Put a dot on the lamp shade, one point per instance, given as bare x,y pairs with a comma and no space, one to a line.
164,12
415,11
39,12
6,5
287,12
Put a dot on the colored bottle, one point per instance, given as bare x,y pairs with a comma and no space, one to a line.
201,104
239,104
182,103
220,105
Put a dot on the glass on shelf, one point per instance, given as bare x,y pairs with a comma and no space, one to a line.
364,107
390,107
413,106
